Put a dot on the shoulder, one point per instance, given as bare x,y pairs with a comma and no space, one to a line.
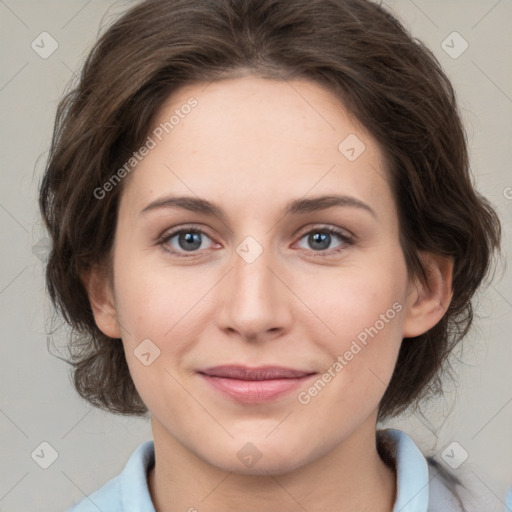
422,484
443,489
128,491
106,499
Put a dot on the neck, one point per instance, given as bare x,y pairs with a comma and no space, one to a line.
349,477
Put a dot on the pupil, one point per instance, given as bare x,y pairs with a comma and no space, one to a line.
188,238
322,238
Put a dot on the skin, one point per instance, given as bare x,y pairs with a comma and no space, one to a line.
250,146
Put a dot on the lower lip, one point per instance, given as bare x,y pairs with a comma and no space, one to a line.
255,391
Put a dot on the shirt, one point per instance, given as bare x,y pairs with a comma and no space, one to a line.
509,501
419,488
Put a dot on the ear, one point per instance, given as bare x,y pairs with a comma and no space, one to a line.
99,289
427,302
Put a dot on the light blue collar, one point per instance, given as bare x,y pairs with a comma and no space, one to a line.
412,473
135,494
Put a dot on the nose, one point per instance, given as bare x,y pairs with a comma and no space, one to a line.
255,300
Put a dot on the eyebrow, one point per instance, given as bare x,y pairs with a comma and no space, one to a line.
296,207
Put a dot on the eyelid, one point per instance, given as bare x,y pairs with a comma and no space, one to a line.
172,232
327,227
347,240
346,236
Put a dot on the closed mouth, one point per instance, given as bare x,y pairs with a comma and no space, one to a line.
254,374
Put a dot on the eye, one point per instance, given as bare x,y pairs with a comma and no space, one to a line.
191,240
321,238
186,240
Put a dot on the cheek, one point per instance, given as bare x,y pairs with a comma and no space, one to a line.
150,301
364,312
358,300
163,305
361,359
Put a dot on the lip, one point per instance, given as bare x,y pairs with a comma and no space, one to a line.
254,385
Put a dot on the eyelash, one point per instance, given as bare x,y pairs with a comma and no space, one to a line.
346,240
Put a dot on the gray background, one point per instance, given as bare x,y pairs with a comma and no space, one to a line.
38,403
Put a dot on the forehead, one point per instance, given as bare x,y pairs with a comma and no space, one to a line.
257,138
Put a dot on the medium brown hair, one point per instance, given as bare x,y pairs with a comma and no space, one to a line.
355,48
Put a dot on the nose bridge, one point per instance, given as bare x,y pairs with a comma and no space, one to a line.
252,276
254,300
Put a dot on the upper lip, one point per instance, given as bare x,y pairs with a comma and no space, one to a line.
256,373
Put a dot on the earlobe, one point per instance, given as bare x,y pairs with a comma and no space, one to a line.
101,298
427,302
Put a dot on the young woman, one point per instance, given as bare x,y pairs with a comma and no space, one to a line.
266,237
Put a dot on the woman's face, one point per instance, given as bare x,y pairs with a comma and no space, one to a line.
260,281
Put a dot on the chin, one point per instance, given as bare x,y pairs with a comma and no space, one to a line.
258,457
